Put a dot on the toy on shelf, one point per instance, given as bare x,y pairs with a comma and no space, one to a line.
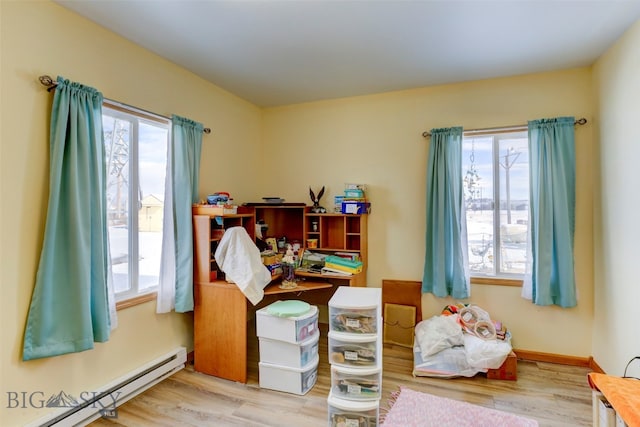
288,269
316,208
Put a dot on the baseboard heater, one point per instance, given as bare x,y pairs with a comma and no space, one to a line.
103,402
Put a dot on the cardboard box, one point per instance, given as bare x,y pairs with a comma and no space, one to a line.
507,371
271,259
399,324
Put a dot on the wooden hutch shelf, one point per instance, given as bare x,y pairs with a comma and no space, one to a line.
222,312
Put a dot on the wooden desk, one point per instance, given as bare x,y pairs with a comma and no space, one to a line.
221,314
622,393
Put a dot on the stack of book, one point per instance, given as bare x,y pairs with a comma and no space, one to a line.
355,200
339,265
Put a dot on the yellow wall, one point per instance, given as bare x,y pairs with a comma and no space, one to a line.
617,293
377,140
282,151
43,38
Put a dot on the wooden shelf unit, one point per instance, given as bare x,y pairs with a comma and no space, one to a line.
207,232
338,232
221,317
222,312
282,220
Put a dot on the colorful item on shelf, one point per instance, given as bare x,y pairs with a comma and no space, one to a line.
343,264
354,200
316,201
288,269
221,197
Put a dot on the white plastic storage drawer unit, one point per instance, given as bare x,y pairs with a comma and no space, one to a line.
355,310
356,383
344,412
353,350
289,329
290,380
289,354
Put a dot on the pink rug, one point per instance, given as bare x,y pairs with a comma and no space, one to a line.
412,408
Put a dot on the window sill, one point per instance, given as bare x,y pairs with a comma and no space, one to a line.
140,299
497,281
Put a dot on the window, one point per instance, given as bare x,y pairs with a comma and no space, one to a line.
495,170
136,155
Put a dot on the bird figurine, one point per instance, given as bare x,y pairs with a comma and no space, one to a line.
316,208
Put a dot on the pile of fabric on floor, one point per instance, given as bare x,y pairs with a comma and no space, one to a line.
460,342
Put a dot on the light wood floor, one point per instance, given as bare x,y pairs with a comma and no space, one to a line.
555,395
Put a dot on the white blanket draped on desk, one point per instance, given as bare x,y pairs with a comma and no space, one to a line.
239,258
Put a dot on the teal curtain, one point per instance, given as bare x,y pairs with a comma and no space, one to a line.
445,265
181,190
552,212
69,305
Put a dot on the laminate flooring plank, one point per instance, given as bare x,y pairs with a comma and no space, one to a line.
554,395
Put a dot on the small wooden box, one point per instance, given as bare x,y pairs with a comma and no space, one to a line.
507,371
214,210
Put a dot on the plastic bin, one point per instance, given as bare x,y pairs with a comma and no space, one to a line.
289,354
289,329
287,379
355,310
354,413
356,383
354,350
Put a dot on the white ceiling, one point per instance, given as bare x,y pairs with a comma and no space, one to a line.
284,52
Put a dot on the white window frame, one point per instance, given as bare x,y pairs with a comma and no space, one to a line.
497,136
136,117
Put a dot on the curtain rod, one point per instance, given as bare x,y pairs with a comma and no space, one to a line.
51,84
580,121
